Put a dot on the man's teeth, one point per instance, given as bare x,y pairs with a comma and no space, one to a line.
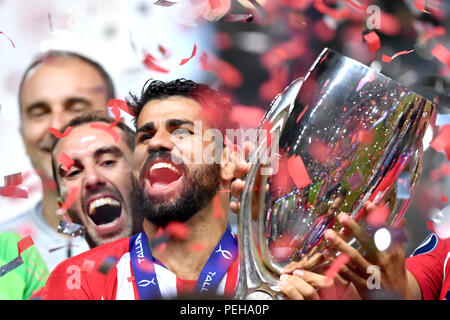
160,165
101,202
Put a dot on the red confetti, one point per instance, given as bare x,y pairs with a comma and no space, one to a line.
107,128
162,50
116,112
358,6
320,6
298,172
433,33
378,217
247,115
150,64
194,51
13,179
420,5
11,189
73,192
442,170
58,134
442,54
121,104
218,211
281,248
301,114
88,266
24,244
177,230
337,265
12,43
214,4
373,40
161,247
388,59
442,141
444,198
228,74
196,247
66,161
278,81
365,137
222,40
13,192
319,150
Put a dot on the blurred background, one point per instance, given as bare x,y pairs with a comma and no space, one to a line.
249,50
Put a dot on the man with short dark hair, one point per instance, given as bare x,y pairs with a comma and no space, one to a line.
192,248
102,176
55,88
186,246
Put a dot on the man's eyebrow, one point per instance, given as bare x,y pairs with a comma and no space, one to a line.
149,126
178,122
111,150
74,100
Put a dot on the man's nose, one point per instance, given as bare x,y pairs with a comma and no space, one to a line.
93,179
59,119
160,141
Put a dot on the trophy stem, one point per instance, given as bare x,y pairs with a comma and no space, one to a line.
254,275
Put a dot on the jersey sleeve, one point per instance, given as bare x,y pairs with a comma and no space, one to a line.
27,278
426,265
36,271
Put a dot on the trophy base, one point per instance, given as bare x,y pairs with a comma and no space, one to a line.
259,295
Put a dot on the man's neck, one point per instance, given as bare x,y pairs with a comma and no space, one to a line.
49,206
179,256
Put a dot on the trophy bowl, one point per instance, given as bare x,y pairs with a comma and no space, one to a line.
329,142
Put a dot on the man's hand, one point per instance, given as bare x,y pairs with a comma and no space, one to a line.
391,262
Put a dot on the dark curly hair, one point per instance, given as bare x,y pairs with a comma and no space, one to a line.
216,108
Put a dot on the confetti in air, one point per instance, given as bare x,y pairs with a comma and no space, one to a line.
337,265
22,245
11,189
66,161
373,40
194,51
388,59
58,134
442,54
12,43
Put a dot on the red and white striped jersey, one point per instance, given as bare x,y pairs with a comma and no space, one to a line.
79,278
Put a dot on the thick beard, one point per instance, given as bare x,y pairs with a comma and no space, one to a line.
198,189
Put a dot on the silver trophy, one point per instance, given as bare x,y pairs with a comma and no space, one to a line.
355,131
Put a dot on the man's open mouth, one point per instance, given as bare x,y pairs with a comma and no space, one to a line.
104,210
163,174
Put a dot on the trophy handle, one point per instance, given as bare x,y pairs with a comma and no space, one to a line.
256,280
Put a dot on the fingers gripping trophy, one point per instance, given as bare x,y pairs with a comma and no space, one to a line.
331,141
